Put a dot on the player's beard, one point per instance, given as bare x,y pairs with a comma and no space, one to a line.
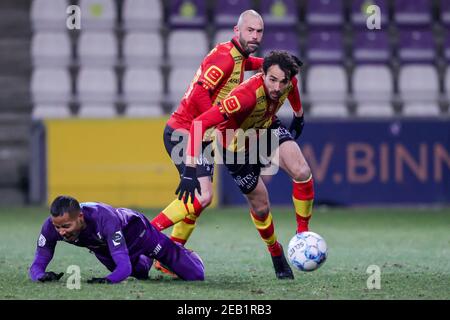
249,49
275,95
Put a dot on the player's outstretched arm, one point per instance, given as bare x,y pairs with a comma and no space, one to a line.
189,182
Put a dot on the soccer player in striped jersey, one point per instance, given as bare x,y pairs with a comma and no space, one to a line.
253,105
220,72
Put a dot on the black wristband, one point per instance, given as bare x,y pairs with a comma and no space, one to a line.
189,171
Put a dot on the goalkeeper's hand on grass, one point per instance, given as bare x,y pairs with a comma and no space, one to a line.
51,276
99,280
296,126
188,184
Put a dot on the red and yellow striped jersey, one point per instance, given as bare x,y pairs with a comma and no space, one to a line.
248,106
219,73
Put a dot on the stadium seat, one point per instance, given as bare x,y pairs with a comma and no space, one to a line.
101,110
374,110
418,83
51,49
187,14
143,49
226,12
358,14
182,52
223,35
416,46
50,111
49,15
412,13
371,46
327,84
372,83
321,13
97,49
280,40
279,14
334,110
142,85
50,86
179,81
325,46
447,83
444,9
96,86
98,14
447,47
143,111
415,109
142,15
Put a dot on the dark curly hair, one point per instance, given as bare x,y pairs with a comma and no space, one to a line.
287,62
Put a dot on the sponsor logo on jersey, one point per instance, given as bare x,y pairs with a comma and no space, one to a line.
42,241
117,238
231,104
213,75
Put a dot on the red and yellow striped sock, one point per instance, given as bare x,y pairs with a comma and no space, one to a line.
174,212
303,198
183,229
266,230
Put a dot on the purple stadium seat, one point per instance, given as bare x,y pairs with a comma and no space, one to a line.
445,11
280,40
412,13
279,13
187,14
371,46
226,12
447,47
358,11
324,13
324,47
416,46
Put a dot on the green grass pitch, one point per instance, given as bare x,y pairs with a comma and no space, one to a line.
410,246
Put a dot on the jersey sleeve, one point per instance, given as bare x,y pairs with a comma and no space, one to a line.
209,119
253,63
112,232
294,96
45,249
238,102
216,68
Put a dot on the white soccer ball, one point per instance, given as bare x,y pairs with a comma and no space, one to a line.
307,251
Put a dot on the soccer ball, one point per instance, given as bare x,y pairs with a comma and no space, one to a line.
307,251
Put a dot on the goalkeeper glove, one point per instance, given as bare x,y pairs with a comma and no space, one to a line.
188,184
99,280
296,127
50,276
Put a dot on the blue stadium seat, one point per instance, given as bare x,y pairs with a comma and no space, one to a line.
412,13
281,40
324,46
416,46
187,14
279,14
324,13
444,9
358,14
226,12
371,46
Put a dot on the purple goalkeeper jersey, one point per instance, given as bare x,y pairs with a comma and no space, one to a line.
123,240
